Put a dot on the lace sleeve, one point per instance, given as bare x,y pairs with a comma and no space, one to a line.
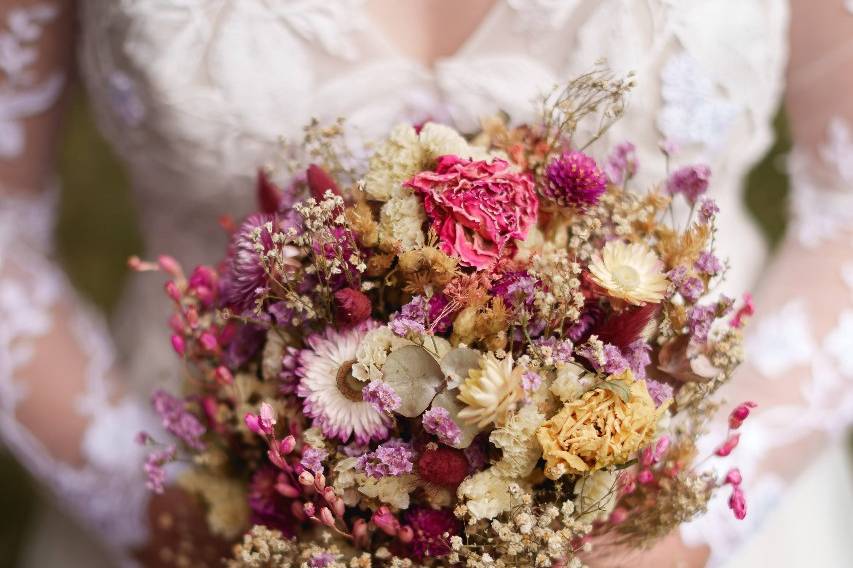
800,351
61,412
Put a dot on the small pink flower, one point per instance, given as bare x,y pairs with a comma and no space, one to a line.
733,477
478,208
744,312
737,502
740,413
170,266
179,345
645,477
728,446
618,516
385,520
263,422
690,181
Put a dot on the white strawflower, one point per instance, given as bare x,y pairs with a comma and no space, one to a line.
491,391
630,272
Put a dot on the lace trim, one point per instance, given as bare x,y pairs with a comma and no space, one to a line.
822,199
22,95
693,112
108,492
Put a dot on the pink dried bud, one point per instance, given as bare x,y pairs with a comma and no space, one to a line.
287,490
287,444
267,417
351,307
319,182
277,460
208,341
386,521
339,506
737,502
733,477
728,446
253,423
223,376
740,413
309,509
645,477
142,438
628,483
172,291
319,482
326,517
306,478
135,263
661,447
170,266
360,533
179,345
176,323
329,495
192,318
269,195
296,509
618,516
406,534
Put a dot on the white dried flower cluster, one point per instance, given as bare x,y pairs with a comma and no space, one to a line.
401,219
561,292
373,351
571,382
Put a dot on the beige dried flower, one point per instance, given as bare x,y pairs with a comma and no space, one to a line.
604,427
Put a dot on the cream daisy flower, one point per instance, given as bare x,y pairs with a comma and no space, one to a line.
491,391
332,396
630,272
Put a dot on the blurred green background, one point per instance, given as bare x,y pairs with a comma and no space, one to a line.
97,232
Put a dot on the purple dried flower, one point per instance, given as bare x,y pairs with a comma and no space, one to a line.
561,350
692,289
437,421
412,317
312,459
154,467
245,273
699,319
573,179
638,358
322,560
381,396
614,362
708,263
690,181
659,392
177,420
708,210
392,458
622,164
530,382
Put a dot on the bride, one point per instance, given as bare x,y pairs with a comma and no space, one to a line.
195,94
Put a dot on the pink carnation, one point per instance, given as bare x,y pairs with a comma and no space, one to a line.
477,208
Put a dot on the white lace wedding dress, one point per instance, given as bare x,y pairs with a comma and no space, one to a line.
194,95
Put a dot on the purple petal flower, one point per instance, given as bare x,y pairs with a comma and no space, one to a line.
312,459
437,421
392,458
708,263
690,181
177,420
622,164
381,396
573,179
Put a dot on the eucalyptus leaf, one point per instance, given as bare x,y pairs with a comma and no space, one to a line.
457,363
415,376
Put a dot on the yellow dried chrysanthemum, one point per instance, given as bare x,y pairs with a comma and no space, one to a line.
630,272
604,427
491,391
